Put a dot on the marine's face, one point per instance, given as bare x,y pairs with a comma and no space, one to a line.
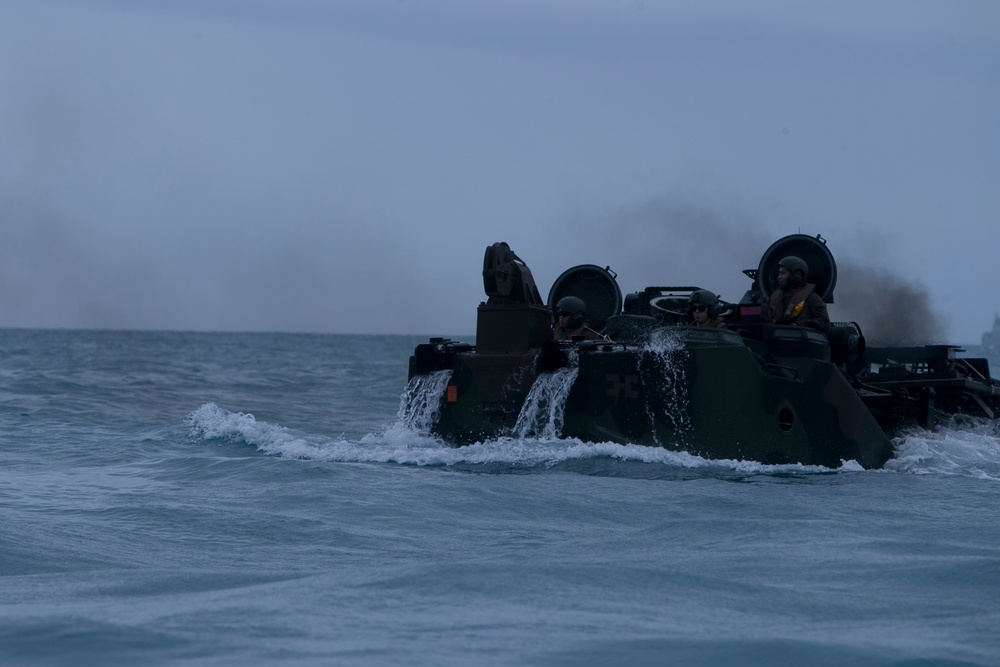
699,314
783,274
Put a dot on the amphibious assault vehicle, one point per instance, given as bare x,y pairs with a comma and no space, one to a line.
752,390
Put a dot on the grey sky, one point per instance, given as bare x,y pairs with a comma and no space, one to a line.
323,166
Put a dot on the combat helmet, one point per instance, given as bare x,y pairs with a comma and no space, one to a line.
793,264
572,305
706,298
798,268
575,306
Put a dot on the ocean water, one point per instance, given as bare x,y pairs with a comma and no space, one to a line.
256,499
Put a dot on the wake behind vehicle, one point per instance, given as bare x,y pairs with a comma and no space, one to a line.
752,390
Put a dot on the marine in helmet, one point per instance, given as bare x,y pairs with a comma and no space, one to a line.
703,309
571,320
795,301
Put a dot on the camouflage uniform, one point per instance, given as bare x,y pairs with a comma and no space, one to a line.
803,307
717,322
560,333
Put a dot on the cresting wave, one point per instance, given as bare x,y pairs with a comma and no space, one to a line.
971,451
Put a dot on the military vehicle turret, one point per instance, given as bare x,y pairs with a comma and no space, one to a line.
749,390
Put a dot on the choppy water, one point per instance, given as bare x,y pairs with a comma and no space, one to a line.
222,499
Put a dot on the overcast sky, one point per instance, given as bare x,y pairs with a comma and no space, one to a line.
305,165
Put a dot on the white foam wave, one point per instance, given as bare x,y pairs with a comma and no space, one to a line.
970,450
210,422
402,444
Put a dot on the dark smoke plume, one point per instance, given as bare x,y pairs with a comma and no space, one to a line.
686,242
889,310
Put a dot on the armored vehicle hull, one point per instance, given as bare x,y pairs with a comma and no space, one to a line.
752,390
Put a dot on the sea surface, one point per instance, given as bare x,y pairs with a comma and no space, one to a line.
257,499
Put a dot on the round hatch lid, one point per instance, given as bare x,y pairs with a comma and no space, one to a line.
596,286
810,249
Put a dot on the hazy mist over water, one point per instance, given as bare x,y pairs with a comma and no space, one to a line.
340,167
182,179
